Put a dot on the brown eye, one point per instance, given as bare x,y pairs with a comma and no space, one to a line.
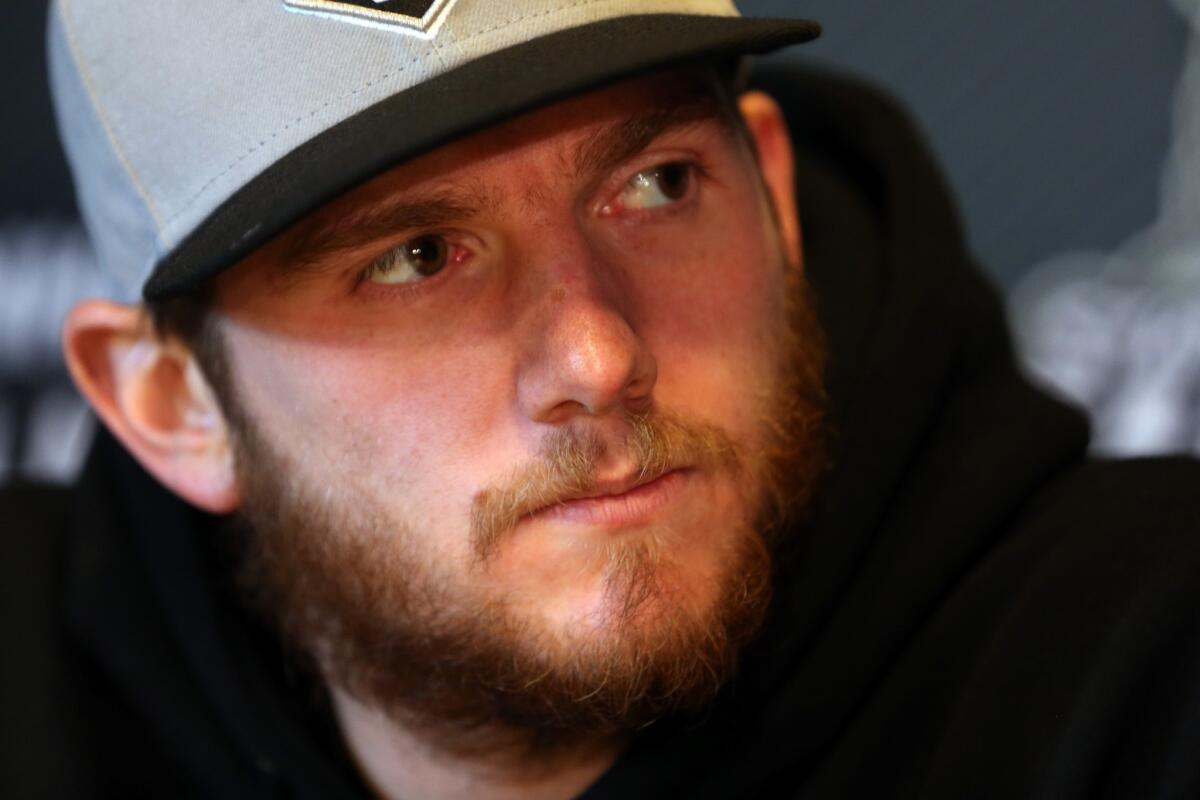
417,258
428,254
674,180
657,187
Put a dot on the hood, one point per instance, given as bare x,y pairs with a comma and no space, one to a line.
939,443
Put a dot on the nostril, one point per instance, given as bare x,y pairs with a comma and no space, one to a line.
644,376
589,361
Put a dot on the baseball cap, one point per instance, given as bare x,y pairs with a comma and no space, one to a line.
197,130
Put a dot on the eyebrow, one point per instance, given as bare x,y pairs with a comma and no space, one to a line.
617,143
405,211
315,250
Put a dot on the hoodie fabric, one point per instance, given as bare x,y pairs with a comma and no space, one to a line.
976,610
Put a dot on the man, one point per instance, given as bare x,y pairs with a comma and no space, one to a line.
475,436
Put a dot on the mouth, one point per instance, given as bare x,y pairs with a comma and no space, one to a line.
623,503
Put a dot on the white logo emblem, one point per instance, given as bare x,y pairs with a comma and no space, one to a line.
415,17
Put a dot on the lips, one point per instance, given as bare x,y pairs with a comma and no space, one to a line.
617,487
629,501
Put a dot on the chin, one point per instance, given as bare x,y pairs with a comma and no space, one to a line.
634,586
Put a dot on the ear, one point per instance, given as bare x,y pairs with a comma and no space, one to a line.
154,398
768,129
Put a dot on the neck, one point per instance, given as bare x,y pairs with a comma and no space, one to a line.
398,761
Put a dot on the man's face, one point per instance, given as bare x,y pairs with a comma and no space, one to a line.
511,417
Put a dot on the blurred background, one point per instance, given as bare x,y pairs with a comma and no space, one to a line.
1069,129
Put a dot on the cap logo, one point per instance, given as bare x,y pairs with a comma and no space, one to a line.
415,17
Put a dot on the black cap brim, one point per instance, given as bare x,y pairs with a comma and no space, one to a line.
471,97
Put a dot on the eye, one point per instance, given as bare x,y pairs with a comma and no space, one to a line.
412,261
657,187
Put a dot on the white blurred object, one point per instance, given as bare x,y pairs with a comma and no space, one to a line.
1190,10
6,439
1120,332
45,268
58,433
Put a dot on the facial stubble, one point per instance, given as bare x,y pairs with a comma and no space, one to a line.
345,584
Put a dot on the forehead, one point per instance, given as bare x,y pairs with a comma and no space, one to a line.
586,132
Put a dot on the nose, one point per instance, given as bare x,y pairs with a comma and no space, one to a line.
584,357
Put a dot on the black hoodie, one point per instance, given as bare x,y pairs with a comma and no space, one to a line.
976,611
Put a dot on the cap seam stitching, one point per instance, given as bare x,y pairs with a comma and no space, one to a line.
110,130
191,201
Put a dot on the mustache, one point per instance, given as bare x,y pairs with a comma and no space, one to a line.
566,464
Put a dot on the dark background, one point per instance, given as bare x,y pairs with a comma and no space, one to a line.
33,176
1052,118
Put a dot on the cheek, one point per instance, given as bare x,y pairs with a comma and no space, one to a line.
711,274
708,310
411,422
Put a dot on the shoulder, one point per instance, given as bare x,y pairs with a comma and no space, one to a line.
1112,541
1121,482
67,728
1149,507
1084,666
32,573
26,505
35,518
